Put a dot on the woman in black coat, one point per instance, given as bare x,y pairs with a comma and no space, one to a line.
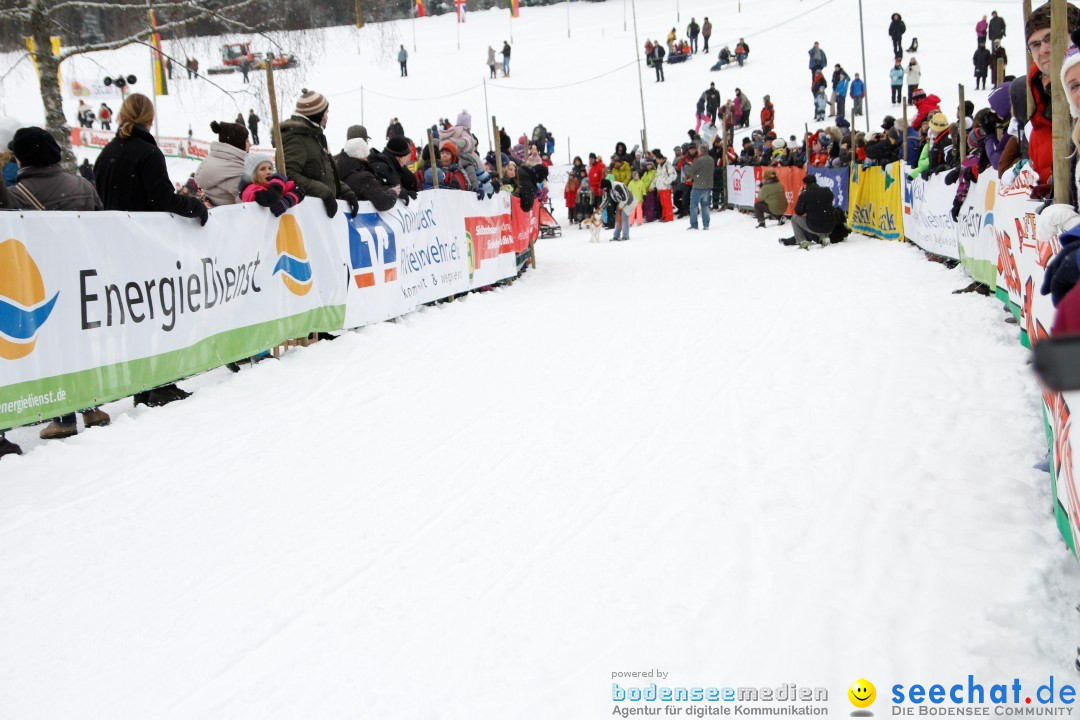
130,173
897,28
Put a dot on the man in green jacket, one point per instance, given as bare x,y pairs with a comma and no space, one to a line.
771,199
307,160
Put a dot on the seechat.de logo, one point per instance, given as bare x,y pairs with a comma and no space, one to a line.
862,694
23,304
292,260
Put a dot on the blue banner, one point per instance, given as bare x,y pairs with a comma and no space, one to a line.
837,181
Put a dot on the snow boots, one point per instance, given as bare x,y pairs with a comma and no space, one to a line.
161,396
8,448
58,430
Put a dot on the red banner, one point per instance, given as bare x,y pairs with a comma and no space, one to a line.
524,225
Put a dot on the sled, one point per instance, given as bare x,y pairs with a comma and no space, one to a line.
549,226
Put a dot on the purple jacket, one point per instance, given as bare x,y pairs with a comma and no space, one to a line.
980,28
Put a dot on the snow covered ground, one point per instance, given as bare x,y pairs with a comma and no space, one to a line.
729,459
741,463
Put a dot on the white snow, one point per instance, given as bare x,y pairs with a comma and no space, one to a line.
702,452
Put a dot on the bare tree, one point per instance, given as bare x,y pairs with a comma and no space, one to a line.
42,19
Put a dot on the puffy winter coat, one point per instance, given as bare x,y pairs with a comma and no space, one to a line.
1040,144
858,88
980,28
816,205
363,181
130,175
391,173
996,29
896,76
897,28
914,74
927,105
307,159
665,176
817,59
219,175
981,60
622,173
54,189
596,174
772,194
841,87
526,190
768,117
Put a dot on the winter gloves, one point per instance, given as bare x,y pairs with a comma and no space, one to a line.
350,199
201,213
1054,220
330,203
279,195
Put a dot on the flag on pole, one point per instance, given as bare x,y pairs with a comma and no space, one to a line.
420,8
515,11
461,8
161,85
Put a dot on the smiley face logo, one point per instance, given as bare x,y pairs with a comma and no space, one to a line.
862,693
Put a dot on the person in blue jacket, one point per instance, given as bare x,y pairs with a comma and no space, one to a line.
858,92
841,89
896,82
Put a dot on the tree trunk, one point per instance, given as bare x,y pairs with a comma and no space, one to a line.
49,82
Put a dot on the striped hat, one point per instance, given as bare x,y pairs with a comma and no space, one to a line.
311,103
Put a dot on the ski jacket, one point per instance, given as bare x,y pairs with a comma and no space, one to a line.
130,175
665,176
1040,144
981,60
773,195
219,175
897,28
896,76
620,196
842,86
858,88
914,74
980,28
996,29
816,205
927,105
308,160
817,59
54,189
596,174
768,117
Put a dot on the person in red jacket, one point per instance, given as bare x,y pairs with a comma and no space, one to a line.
596,174
924,104
768,116
1040,146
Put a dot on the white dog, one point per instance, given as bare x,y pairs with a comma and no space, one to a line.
595,223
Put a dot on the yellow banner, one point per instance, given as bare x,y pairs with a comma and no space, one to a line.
876,201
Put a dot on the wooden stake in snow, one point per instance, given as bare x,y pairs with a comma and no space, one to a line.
279,152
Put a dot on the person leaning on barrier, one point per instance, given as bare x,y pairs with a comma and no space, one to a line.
1040,74
43,185
130,175
307,157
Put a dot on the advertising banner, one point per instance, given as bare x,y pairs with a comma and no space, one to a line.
443,243
976,242
928,218
742,185
836,179
875,202
102,307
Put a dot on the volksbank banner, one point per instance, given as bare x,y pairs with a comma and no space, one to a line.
99,306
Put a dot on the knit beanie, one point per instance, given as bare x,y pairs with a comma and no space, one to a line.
464,119
230,134
1039,19
450,148
357,148
1072,57
357,131
938,122
398,146
34,147
311,104
252,163
918,94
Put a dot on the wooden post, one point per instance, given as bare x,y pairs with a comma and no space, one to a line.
434,160
1059,28
903,137
498,153
999,72
961,126
359,14
851,137
279,152
1027,69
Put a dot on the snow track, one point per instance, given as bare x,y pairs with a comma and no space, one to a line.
739,462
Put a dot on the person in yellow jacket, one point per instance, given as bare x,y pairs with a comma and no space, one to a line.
638,187
620,169
671,38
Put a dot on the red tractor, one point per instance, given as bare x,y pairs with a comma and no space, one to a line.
234,54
